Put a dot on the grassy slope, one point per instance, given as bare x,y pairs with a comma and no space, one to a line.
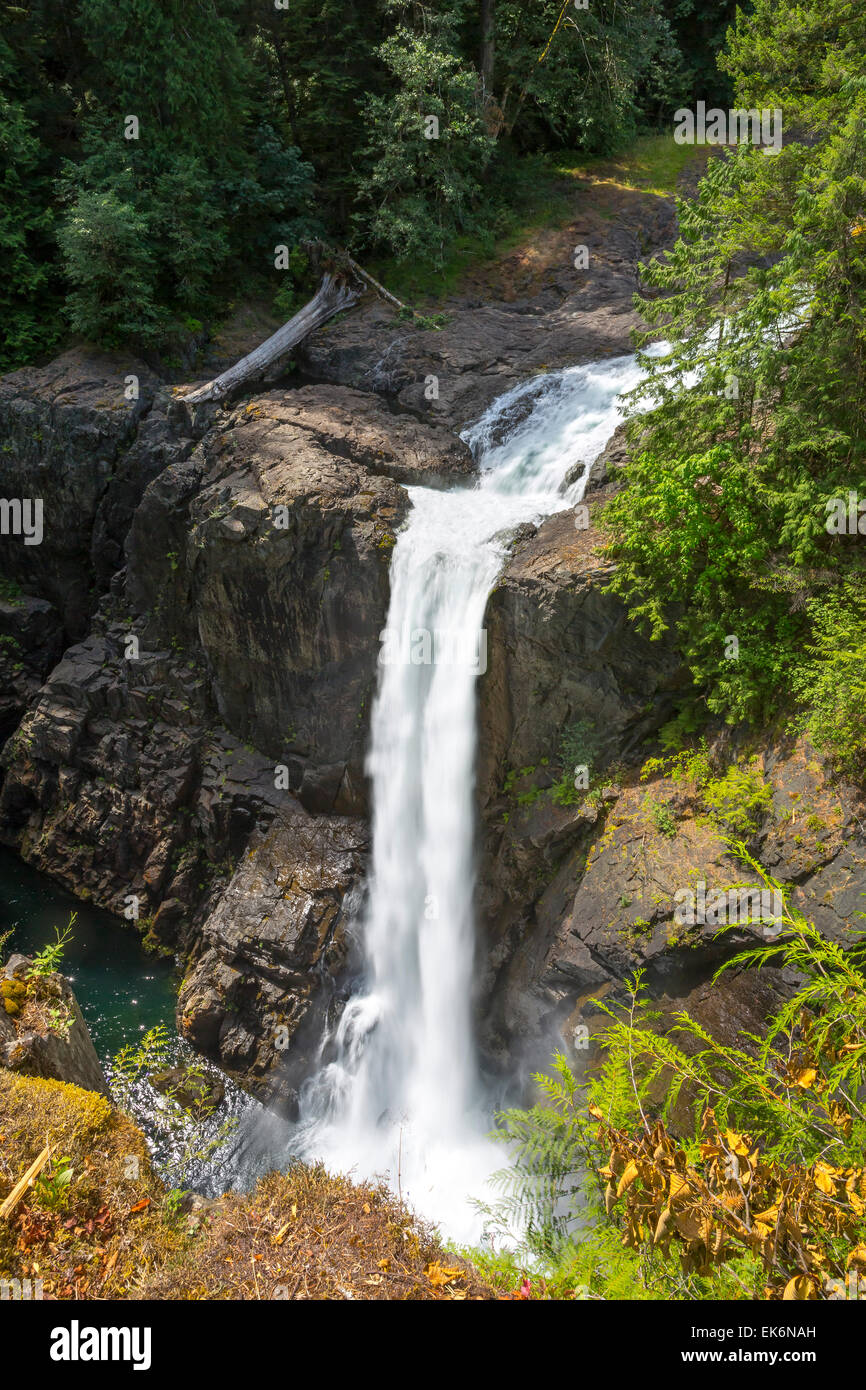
548,189
305,1234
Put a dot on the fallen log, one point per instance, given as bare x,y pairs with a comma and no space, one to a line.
21,1186
333,295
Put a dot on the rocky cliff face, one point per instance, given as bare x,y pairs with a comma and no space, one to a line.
563,657
31,642
268,553
217,706
187,664
276,950
77,435
583,887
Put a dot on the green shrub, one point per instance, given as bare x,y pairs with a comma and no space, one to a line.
738,800
663,819
832,687
111,265
46,961
727,1170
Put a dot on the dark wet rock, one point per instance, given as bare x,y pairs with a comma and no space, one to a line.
274,951
42,1030
31,641
66,427
517,536
121,783
598,472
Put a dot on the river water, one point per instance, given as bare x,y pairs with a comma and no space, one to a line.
122,991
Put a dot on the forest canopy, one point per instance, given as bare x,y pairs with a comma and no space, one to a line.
153,154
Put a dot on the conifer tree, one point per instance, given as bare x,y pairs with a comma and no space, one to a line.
758,418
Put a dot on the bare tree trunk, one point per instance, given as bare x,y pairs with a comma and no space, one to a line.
488,46
332,295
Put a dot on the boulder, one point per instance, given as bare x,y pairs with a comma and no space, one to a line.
356,425
193,1090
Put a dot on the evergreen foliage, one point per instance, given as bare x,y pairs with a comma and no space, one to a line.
261,126
757,416
423,188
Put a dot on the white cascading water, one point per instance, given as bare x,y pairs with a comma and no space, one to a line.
403,1096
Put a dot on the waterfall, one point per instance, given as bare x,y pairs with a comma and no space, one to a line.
403,1095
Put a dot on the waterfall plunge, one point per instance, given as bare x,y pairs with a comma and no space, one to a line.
403,1097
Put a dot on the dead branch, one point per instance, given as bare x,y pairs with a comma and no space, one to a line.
332,296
